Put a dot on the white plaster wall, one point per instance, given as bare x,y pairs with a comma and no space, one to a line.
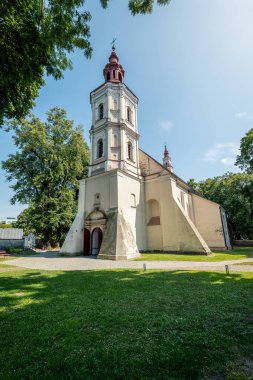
154,233
147,164
155,238
106,185
208,221
182,196
135,215
73,243
115,99
178,232
110,93
114,105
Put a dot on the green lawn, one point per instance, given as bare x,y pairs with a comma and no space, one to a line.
125,324
5,268
236,253
245,263
3,258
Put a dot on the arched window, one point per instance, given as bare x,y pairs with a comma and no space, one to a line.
182,199
97,199
153,212
120,77
108,76
101,111
114,74
133,200
129,114
129,150
100,148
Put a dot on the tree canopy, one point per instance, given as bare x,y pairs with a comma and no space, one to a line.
245,158
233,191
139,6
50,159
36,37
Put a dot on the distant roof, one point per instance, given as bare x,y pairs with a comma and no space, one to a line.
11,233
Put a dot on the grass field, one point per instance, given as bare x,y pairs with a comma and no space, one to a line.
236,253
125,325
245,263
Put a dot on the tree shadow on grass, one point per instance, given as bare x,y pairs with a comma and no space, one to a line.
124,324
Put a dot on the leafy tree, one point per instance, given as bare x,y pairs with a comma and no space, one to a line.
193,183
234,191
36,36
25,221
139,6
245,158
9,225
51,157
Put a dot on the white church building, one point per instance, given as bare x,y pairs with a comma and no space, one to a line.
130,202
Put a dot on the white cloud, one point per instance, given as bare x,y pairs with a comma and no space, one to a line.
245,117
228,161
166,125
224,153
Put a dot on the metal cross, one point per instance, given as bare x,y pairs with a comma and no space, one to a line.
113,42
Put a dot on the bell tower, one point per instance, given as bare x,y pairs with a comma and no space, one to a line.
167,160
114,131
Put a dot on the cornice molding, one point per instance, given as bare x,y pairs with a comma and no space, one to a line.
110,124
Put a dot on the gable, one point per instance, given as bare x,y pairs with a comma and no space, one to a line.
149,165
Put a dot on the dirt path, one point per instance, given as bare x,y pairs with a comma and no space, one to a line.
51,261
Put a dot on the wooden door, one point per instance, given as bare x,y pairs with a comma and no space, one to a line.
86,242
97,237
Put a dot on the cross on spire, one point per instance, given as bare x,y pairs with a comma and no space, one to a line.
113,71
113,42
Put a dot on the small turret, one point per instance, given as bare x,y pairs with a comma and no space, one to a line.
167,160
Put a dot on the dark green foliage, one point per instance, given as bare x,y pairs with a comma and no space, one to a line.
245,158
36,36
51,157
139,6
125,325
193,183
234,191
14,250
5,225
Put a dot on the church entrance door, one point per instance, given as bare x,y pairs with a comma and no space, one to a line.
86,242
96,241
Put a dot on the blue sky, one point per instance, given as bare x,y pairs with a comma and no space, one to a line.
190,64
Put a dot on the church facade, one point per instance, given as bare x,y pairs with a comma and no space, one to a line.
130,202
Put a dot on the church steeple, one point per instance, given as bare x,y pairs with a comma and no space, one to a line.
114,131
167,160
113,71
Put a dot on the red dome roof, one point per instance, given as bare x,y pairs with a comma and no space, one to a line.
113,71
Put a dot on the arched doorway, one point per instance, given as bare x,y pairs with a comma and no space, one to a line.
86,242
96,241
